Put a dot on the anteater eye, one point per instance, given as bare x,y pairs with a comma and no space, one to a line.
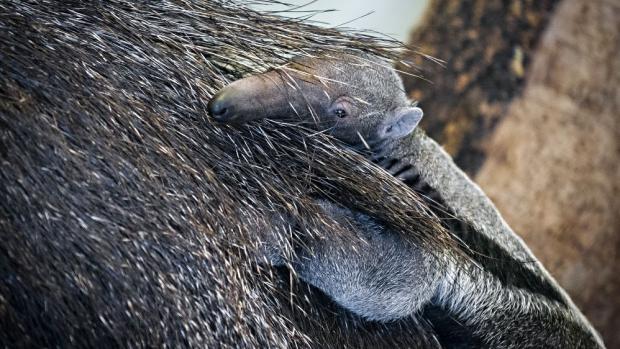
341,113
341,108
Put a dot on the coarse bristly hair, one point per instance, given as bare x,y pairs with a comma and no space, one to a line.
127,218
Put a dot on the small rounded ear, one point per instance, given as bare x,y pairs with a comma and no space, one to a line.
401,123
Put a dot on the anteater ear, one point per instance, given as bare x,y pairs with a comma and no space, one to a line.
401,123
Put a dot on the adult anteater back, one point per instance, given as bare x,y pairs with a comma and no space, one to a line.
126,218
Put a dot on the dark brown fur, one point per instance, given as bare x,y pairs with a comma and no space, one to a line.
121,204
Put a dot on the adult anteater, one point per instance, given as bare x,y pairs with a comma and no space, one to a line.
128,219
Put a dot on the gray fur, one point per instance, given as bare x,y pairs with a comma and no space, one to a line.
370,269
375,273
381,277
558,324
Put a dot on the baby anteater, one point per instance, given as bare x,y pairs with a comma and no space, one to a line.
359,99
490,298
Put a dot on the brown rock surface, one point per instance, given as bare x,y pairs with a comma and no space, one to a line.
553,164
487,46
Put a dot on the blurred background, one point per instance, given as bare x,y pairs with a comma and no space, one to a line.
394,18
528,104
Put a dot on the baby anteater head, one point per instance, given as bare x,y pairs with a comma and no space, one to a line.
358,98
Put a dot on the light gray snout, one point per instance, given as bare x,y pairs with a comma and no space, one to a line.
222,107
251,98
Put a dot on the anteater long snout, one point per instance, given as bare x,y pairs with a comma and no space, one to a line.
254,97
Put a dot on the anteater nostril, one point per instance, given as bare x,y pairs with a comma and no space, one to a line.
219,108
